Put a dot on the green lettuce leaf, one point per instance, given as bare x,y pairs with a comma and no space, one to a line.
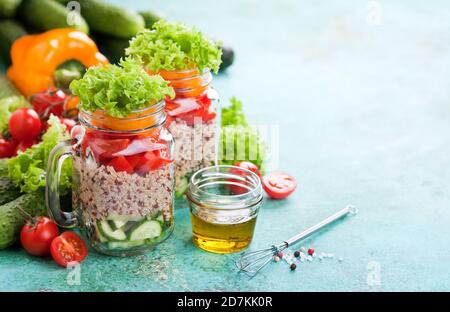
7,107
119,90
27,169
238,140
175,46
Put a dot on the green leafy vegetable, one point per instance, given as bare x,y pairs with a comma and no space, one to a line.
7,107
238,140
119,90
175,46
27,169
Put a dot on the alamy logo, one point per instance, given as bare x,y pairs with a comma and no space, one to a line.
73,17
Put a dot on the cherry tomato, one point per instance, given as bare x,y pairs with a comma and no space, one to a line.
279,185
24,124
37,236
121,164
22,146
69,123
236,189
68,248
134,160
49,102
7,148
249,166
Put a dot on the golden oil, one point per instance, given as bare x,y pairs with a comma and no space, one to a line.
221,237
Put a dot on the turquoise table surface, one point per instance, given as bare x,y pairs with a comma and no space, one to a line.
359,91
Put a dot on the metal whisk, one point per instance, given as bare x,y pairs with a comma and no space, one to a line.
253,262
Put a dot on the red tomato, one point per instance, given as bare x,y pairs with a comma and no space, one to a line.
69,123
37,237
236,189
24,145
68,248
249,166
49,102
134,160
149,161
24,124
279,185
7,148
121,164
105,148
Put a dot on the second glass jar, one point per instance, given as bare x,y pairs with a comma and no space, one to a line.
194,121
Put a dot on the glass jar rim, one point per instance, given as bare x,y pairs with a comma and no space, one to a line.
218,201
147,112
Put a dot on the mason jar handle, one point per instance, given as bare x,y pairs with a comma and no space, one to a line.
57,156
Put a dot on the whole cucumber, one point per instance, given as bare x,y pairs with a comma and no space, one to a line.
10,31
8,190
42,15
8,8
11,219
112,20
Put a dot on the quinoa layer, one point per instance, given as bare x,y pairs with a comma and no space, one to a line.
195,146
101,191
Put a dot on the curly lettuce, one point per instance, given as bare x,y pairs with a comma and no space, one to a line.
27,169
119,89
175,46
240,141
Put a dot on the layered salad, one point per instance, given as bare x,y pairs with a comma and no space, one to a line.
184,57
124,172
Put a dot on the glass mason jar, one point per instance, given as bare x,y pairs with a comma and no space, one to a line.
194,121
123,180
224,203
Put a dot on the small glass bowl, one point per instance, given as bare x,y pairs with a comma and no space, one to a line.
224,203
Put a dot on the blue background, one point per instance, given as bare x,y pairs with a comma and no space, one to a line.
360,93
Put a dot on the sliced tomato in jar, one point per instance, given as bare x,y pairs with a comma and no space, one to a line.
121,164
279,185
68,248
150,161
134,160
105,147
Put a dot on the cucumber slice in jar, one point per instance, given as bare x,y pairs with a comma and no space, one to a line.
115,225
145,230
126,244
112,235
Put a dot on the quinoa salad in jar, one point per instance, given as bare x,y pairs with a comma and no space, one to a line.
186,59
123,193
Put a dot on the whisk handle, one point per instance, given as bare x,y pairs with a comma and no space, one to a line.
342,213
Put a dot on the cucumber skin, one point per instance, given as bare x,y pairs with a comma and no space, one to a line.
11,221
8,190
150,18
10,31
44,15
111,47
132,232
8,8
108,19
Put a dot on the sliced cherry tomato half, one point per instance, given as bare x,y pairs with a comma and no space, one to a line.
121,164
279,185
68,248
